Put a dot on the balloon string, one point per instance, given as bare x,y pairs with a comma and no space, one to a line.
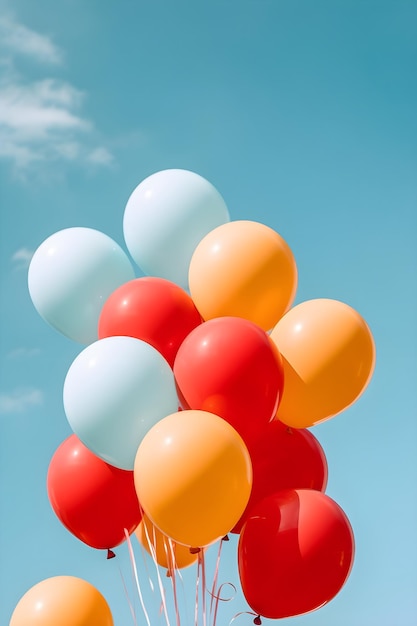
131,607
135,573
201,560
257,618
172,572
151,545
178,579
218,599
197,589
145,564
215,578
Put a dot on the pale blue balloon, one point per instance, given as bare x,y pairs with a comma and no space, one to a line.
114,392
71,275
166,217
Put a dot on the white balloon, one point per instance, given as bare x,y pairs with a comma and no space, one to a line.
165,218
71,275
114,392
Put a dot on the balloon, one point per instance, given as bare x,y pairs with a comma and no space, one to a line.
153,309
165,218
329,357
193,477
71,274
166,552
114,391
63,600
93,500
230,367
295,553
244,269
284,458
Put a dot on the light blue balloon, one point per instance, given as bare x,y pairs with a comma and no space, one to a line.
114,392
71,275
166,217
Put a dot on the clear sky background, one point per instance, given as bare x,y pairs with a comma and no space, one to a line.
303,114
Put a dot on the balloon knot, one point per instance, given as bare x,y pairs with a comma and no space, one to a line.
110,554
257,620
289,430
194,550
225,538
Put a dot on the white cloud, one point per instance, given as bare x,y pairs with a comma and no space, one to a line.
69,150
33,112
37,119
19,400
21,40
41,120
22,257
100,156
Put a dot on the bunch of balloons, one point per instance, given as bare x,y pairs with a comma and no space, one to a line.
193,397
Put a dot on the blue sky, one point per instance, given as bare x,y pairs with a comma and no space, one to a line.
302,114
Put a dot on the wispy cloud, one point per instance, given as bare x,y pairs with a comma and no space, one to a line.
21,40
100,156
19,400
41,120
33,110
22,257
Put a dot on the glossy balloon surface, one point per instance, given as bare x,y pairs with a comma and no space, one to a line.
295,553
165,218
243,269
95,501
114,392
63,601
329,357
230,367
152,309
71,274
284,458
193,477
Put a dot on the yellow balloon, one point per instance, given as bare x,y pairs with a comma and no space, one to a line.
166,552
63,601
243,269
328,354
193,477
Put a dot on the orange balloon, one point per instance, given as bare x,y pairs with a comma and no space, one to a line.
193,477
166,552
63,601
243,269
329,357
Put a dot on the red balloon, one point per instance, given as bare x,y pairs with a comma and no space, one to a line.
295,553
152,309
93,500
284,458
229,366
